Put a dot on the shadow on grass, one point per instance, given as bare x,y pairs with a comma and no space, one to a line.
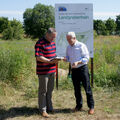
65,110
17,111
26,111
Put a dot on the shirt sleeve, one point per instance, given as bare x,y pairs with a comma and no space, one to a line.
85,54
38,50
67,56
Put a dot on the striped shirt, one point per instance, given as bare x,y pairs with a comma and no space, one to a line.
77,52
48,50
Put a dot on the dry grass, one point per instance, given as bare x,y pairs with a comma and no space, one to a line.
18,107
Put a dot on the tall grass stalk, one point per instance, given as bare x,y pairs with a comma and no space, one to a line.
14,65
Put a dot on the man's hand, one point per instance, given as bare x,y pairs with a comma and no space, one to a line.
54,61
75,64
51,61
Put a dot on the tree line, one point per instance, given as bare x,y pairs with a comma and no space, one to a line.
107,27
11,29
37,20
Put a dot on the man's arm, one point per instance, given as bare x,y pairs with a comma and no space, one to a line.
66,58
85,54
44,59
85,57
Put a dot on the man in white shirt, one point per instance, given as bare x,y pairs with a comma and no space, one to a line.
78,56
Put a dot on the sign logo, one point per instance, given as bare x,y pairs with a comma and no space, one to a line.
62,8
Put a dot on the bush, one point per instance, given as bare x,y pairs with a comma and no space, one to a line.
107,76
13,31
14,66
100,76
8,33
3,23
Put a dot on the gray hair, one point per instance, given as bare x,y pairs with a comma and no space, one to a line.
72,34
51,30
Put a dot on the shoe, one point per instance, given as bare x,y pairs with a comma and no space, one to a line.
45,114
91,111
77,109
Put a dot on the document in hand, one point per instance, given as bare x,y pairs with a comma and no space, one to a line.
58,58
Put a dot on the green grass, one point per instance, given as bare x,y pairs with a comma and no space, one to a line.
107,61
19,83
17,59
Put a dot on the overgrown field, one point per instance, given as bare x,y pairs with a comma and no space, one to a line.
19,83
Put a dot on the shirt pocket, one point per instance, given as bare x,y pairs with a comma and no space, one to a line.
77,53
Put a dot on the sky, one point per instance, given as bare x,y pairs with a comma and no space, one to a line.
102,9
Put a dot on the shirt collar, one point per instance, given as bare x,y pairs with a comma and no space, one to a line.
75,43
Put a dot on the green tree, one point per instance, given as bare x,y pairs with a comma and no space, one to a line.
13,31
99,27
18,30
3,23
8,33
118,24
110,26
27,16
38,20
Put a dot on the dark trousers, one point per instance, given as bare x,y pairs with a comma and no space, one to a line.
79,75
